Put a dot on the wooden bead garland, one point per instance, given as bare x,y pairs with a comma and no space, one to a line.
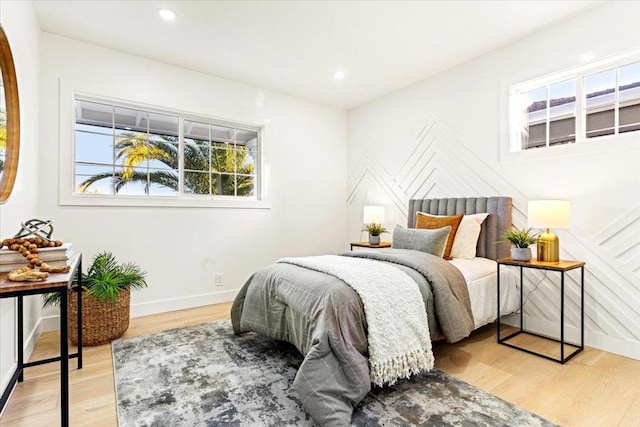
29,248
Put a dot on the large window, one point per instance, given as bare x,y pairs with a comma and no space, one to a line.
587,103
135,152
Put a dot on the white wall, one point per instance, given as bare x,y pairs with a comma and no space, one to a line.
183,248
19,22
445,136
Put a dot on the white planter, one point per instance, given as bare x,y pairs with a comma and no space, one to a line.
374,240
521,254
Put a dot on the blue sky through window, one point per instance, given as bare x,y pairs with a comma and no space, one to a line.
104,131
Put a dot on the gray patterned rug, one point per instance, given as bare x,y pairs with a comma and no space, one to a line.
203,375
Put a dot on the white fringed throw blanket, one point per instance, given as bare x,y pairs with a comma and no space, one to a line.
398,331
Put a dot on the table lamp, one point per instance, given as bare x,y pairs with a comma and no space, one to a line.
549,214
373,215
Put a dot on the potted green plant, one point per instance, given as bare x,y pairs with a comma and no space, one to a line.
375,230
106,297
521,239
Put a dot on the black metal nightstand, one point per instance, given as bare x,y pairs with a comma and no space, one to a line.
561,266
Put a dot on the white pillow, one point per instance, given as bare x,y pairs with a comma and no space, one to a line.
466,239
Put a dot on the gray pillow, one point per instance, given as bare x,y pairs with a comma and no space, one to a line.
432,241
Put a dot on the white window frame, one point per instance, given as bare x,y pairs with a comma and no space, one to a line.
68,196
582,143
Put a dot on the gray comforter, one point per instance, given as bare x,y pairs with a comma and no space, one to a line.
324,318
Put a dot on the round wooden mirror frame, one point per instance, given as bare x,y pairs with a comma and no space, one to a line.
13,118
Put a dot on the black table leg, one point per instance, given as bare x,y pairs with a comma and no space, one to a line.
521,299
498,297
562,360
64,358
20,338
582,307
79,320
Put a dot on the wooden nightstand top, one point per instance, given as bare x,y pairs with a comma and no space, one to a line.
562,265
369,245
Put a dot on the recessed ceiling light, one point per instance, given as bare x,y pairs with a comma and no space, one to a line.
338,75
167,14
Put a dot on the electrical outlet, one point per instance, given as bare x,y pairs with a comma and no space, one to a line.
219,279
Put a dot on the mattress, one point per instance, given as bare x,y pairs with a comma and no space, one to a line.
481,276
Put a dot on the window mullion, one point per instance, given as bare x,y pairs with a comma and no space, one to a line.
210,171
257,169
548,126
113,131
148,147
180,156
581,110
235,166
616,107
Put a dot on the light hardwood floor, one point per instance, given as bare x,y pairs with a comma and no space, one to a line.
593,389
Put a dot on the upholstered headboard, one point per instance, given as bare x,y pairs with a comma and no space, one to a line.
490,243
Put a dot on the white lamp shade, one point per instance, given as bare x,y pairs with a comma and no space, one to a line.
373,215
549,213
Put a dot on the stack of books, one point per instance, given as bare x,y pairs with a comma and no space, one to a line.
12,260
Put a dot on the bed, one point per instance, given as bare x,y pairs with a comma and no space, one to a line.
325,318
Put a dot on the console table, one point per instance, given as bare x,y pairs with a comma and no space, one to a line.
57,282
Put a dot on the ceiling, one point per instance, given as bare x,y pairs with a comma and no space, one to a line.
294,47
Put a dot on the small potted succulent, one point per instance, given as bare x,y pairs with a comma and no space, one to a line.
521,239
375,230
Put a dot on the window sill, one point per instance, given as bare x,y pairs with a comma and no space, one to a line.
621,142
165,202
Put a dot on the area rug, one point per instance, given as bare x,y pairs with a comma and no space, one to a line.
204,375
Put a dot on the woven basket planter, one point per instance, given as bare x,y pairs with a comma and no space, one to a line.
102,320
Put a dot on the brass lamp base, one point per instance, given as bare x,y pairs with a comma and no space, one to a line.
548,247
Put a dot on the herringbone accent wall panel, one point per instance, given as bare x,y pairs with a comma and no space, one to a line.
440,165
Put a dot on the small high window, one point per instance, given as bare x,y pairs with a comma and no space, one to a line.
576,105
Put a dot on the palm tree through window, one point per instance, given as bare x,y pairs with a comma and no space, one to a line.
123,151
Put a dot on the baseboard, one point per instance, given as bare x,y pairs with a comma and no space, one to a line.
31,341
163,306
29,344
5,382
52,323
620,346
